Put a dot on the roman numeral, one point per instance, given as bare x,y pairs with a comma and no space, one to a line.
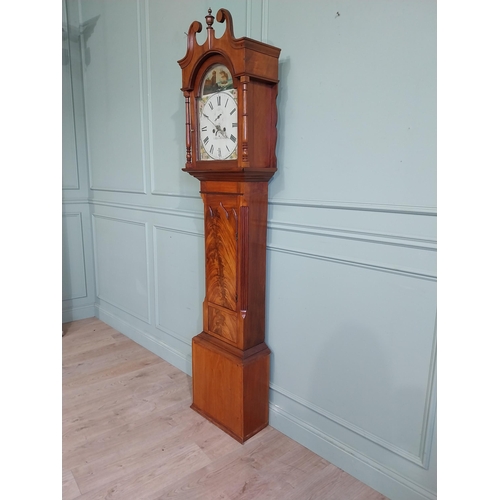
227,100
232,111
233,138
211,149
205,140
204,129
211,105
218,100
235,124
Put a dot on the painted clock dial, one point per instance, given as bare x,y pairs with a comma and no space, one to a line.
218,115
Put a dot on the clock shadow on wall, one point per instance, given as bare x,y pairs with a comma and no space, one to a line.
77,33
368,393
190,186
277,183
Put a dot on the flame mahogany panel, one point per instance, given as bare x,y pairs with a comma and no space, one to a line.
221,251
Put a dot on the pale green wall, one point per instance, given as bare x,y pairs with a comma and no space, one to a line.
78,286
351,302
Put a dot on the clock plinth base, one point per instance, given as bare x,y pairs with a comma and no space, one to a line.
230,386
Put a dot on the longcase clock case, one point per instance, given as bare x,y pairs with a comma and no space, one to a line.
230,356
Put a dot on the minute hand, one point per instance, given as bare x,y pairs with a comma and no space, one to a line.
209,120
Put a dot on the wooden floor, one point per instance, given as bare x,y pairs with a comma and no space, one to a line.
128,433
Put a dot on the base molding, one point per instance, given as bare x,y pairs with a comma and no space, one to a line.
161,348
382,479
77,313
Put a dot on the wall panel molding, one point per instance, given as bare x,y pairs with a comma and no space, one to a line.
175,195
179,231
249,17
78,270
158,324
365,265
76,201
144,153
310,229
99,294
151,209
257,14
265,21
171,333
148,98
361,236
142,37
365,207
114,190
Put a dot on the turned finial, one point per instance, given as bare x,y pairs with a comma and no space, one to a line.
209,19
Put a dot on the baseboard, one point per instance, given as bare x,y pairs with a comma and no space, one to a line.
76,313
375,475
161,349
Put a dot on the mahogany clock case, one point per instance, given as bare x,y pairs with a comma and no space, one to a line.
230,357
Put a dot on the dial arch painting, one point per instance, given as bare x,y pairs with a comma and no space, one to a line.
217,78
217,115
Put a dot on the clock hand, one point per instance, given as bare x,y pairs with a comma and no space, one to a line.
210,120
217,127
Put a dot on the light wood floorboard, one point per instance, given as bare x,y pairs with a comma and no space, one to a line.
129,433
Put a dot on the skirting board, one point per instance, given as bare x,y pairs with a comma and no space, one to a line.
77,313
354,463
156,346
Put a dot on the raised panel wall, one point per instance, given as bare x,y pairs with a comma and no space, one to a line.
78,288
351,274
357,103
352,232
120,249
178,267
114,95
74,285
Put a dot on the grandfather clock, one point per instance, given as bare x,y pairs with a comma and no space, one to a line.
230,87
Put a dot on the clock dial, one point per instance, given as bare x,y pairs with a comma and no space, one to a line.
217,116
218,127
